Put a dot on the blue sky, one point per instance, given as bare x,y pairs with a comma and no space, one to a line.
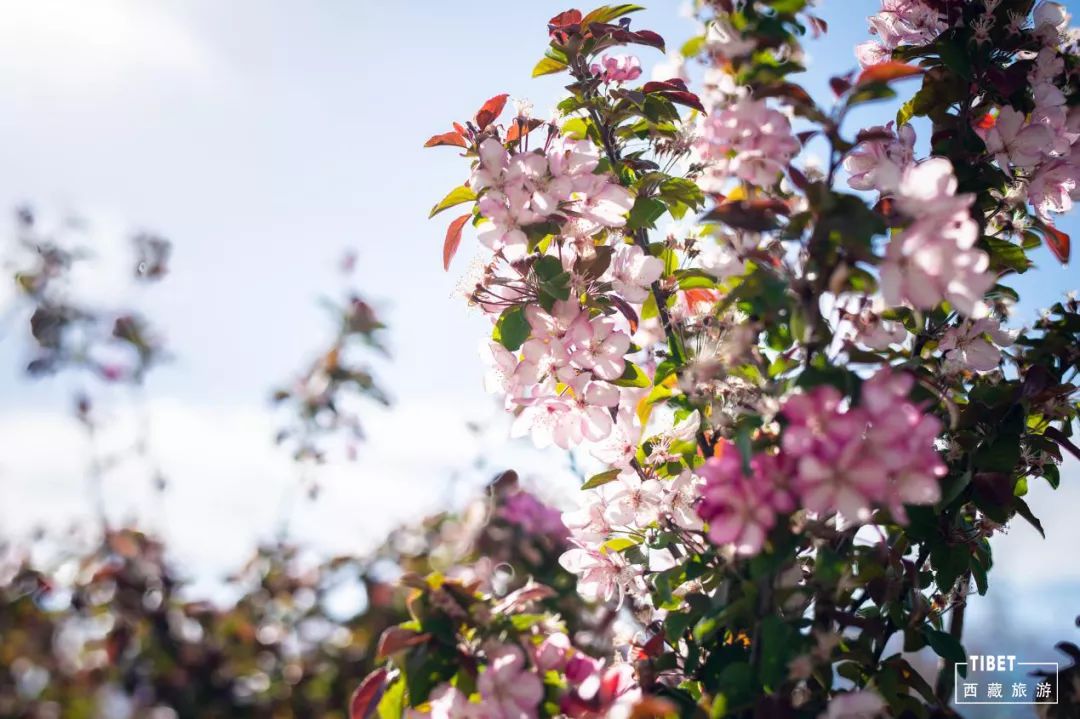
265,139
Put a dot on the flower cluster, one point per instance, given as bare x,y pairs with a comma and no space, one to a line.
935,259
900,22
832,458
746,140
748,380
617,68
526,188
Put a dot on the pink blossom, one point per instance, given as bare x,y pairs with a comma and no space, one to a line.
1051,20
681,497
634,502
599,347
1054,187
617,68
620,447
509,690
906,22
1014,141
871,53
879,164
746,140
553,653
739,509
632,272
851,459
934,259
603,575
973,345
446,702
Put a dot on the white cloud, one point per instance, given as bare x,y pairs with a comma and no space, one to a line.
229,487
83,46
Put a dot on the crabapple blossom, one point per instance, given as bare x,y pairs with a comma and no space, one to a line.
508,689
1054,187
879,163
603,575
739,508
598,347
934,259
632,271
1016,142
635,502
973,344
617,68
900,22
746,140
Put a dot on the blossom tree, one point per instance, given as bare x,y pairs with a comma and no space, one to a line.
813,408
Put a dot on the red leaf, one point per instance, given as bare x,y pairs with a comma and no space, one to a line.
453,239
365,700
986,122
563,19
659,86
887,72
394,639
447,138
1058,242
490,111
519,128
840,85
752,215
460,128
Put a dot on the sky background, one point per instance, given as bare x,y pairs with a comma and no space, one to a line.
265,139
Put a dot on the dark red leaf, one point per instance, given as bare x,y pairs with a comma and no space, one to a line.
447,138
874,134
752,215
365,700
453,239
659,86
685,98
840,85
490,111
1055,434
789,90
887,72
394,639
1058,242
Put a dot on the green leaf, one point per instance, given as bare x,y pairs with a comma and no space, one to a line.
1024,511
945,645
607,13
999,456
633,376
548,66
776,638
645,212
512,329
603,478
618,544
456,196
393,704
